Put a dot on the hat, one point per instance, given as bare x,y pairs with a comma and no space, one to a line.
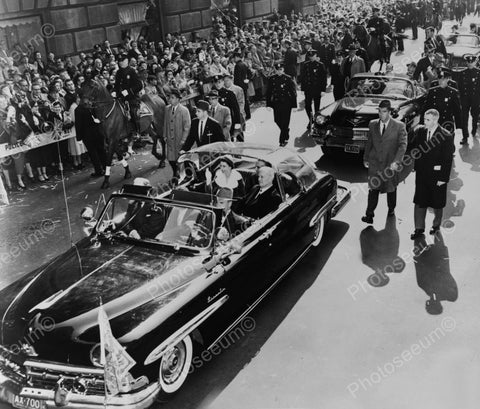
469,58
217,78
227,159
225,193
278,65
385,103
228,75
287,41
444,73
351,47
213,94
175,92
121,57
311,53
430,28
374,9
141,182
203,105
412,64
339,53
307,42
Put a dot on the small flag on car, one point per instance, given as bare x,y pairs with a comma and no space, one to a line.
115,359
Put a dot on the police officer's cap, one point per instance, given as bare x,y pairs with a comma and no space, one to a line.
340,53
287,41
444,73
430,28
227,75
307,42
213,94
278,65
351,47
123,57
203,105
469,58
217,78
374,9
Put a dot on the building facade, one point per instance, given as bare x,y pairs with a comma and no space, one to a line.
67,27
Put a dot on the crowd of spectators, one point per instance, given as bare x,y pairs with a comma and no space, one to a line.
38,93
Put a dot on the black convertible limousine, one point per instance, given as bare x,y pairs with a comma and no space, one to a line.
166,296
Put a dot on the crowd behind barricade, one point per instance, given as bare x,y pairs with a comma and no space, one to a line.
38,94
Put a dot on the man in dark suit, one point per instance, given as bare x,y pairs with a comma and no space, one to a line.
203,130
435,42
88,129
231,224
290,60
262,198
432,167
241,78
423,64
338,78
227,98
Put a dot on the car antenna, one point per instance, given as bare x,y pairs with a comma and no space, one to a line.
67,209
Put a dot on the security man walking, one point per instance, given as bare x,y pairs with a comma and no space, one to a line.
446,100
281,95
228,99
468,81
313,80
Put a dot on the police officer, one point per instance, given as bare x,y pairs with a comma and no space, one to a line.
446,100
228,99
469,86
281,95
376,25
128,86
313,80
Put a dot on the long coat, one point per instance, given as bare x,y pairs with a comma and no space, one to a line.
382,151
433,165
176,129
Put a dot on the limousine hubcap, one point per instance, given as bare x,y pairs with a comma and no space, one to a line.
175,365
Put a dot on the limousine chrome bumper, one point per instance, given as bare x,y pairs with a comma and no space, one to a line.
48,385
343,196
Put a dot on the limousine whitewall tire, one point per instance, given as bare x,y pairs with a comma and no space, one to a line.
318,231
175,366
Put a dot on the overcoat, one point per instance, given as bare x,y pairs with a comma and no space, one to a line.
433,163
176,129
382,151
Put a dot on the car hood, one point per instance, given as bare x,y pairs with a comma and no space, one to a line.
358,111
64,296
460,51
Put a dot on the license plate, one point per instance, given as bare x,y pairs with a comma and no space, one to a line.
23,402
352,148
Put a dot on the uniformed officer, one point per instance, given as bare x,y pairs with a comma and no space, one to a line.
468,81
281,95
128,86
228,99
446,100
313,80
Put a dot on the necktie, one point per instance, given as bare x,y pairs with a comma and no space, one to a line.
429,135
201,128
383,128
213,111
173,111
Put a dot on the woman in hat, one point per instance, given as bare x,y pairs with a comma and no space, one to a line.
228,177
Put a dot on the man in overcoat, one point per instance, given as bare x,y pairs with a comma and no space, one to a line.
433,165
384,151
176,128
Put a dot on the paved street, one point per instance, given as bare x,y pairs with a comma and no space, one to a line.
325,338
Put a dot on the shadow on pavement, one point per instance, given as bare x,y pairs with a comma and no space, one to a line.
207,382
380,252
432,267
471,154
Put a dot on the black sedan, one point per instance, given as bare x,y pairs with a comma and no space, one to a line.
169,285
343,125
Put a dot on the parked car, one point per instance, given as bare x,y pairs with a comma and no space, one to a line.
459,45
343,125
170,289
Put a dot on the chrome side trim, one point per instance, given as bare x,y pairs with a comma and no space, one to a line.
322,211
269,289
182,332
64,368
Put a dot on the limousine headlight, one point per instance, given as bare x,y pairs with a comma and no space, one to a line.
320,119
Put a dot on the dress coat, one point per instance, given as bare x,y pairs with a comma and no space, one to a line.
433,165
381,151
259,205
175,130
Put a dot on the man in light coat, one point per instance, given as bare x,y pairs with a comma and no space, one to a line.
220,113
384,151
353,64
176,128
